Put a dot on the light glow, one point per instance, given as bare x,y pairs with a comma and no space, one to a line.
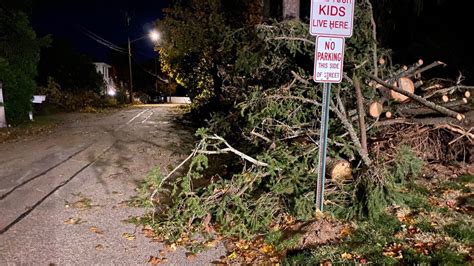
154,35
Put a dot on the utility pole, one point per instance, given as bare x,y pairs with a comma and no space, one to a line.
156,74
130,60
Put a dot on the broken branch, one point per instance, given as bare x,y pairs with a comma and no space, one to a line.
425,102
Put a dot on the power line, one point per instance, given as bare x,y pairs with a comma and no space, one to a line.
101,40
149,72
117,48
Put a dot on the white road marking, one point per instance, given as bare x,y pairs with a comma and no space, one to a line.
135,117
148,117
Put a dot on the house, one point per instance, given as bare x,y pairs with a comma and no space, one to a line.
104,70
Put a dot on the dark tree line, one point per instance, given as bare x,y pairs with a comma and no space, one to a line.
19,57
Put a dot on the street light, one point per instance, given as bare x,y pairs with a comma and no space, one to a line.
154,36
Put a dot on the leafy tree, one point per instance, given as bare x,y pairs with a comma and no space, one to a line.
193,33
19,56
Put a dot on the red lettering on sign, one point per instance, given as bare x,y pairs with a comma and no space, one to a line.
320,23
334,24
333,11
323,56
329,45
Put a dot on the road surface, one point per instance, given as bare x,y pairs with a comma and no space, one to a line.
62,195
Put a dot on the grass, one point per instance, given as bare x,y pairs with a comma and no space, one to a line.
41,124
420,238
462,231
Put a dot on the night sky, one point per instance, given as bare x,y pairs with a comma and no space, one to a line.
104,18
440,32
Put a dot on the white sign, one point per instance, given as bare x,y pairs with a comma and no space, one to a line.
332,17
328,59
3,121
38,98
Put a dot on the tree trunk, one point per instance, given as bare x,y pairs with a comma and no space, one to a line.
266,9
291,9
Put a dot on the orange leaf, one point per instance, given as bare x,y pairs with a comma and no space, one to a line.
128,236
346,256
94,229
155,260
191,256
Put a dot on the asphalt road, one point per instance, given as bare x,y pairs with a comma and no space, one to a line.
62,195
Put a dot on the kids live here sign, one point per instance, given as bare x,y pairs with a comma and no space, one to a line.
331,21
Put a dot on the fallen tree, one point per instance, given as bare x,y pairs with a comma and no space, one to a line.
269,123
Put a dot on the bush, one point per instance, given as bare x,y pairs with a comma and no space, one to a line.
19,55
73,101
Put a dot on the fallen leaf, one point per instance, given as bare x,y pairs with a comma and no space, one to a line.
157,239
99,247
389,254
94,229
346,256
155,260
191,256
451,203
232,256
242,245
346,231
211,243
148,232
267,249
84,203
171,248
128,236
122,204
74,221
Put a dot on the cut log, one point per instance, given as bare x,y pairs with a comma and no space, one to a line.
339,170
375,109
405,84
445,98
419,99
381,61
388,115
467,94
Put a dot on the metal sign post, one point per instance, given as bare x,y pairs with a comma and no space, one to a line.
330,21
323,140
328,62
